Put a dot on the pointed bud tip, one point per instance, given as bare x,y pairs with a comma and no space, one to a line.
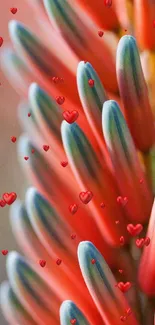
71,314
84,248
13,258
31,193
15,28
33,90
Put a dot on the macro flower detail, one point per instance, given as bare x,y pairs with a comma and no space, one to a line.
87,230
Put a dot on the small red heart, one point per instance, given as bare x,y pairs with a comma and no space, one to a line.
64,163
85,197
102,205
46,147
122,201
125,200
9,198
42,263
73,208
134,230
73,236
70,117
73,321
93,261
120,271
100,33
32,150
147,241
140,242
128,311
58,261
4,251
108,3
1,41
26,158
60,100
141,180
13,139
55,80
123,318
29,114
124,287
13,10
122,240
91,82
117,222
2,203
119,199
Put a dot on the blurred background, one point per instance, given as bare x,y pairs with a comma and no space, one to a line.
11,176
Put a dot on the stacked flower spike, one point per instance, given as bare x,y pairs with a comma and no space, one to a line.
87,109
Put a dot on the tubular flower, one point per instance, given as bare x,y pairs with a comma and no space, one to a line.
87,113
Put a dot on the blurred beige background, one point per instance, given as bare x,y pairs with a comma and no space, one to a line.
11,176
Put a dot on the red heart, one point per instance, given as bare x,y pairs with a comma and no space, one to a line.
9,198
64,163
85,197
4,251
29,114
102,205
122,240
58,261
119,199
129,311
55,80
117,222
93,261
122,201
73,208
125,200
140,242
13,10
42,263
32,150
1,41
2,203
120,271
100,33
108,3
124,287
26,158
147,241
73,321
123,318
134,230
73,236
60,100
70,117
91,83
13,139
46,147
